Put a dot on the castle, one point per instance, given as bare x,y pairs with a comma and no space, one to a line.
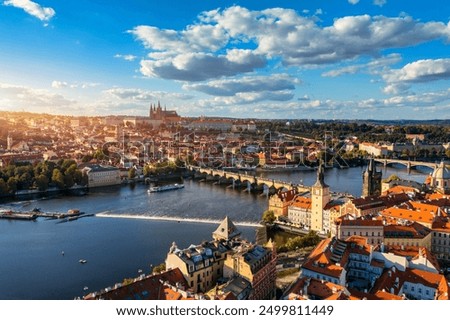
157,113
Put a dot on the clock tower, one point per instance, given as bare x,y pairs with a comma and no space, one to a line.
320,196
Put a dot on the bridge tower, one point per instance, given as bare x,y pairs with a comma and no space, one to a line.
371,180
320,196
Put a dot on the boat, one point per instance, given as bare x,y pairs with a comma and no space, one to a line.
166,188
82,261
8,214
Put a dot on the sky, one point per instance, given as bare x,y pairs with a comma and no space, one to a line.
297,59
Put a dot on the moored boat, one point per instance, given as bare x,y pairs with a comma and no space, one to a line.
17,215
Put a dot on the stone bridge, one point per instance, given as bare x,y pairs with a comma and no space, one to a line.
407,163
252,181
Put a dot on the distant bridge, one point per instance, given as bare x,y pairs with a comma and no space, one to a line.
251,181
407,163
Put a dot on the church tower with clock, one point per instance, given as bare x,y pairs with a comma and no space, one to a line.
320,196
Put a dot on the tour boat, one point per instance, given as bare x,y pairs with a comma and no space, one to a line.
166,188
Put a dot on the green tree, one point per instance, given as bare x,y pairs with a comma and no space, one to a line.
78,177
41,182
3,187
12,185
268,216
25,181
68,180
159,268
58,178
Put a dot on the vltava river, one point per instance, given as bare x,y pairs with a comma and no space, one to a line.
32,265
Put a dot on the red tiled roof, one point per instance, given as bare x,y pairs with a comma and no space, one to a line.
149,288
315,289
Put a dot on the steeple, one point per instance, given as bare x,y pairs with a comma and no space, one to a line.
320,182
371,180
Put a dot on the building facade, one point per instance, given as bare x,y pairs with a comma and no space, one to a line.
101,175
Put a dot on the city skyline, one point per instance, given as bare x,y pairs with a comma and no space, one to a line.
348,59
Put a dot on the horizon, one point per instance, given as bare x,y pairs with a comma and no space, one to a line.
232,118
350,60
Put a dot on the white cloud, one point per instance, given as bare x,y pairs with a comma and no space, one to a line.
63,84
353,1
59,84
379,2
202,66
127,57
21,97
32,8
399,80
197,52
344,70
414,106
421,71
278,85
376,66
140,95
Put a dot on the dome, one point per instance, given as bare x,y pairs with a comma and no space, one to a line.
441,172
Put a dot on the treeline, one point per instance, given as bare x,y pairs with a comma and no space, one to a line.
364,131
40,176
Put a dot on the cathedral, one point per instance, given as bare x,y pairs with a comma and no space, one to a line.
157,113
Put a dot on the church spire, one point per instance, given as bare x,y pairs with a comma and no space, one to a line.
320,182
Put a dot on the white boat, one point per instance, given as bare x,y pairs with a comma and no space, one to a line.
82,261
166,188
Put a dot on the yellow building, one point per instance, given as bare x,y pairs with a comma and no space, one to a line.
255,264
412,234
101,175
280,202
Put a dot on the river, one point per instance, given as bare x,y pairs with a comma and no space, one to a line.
40,259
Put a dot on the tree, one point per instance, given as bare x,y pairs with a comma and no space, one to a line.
58,178
41,182
268,216
68,181
12,185
159,268
3,187
25,181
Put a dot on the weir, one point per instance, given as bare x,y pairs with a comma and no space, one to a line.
176,219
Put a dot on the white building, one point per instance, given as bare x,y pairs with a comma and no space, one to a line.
101,175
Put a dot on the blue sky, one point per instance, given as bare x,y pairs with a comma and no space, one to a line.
298,59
